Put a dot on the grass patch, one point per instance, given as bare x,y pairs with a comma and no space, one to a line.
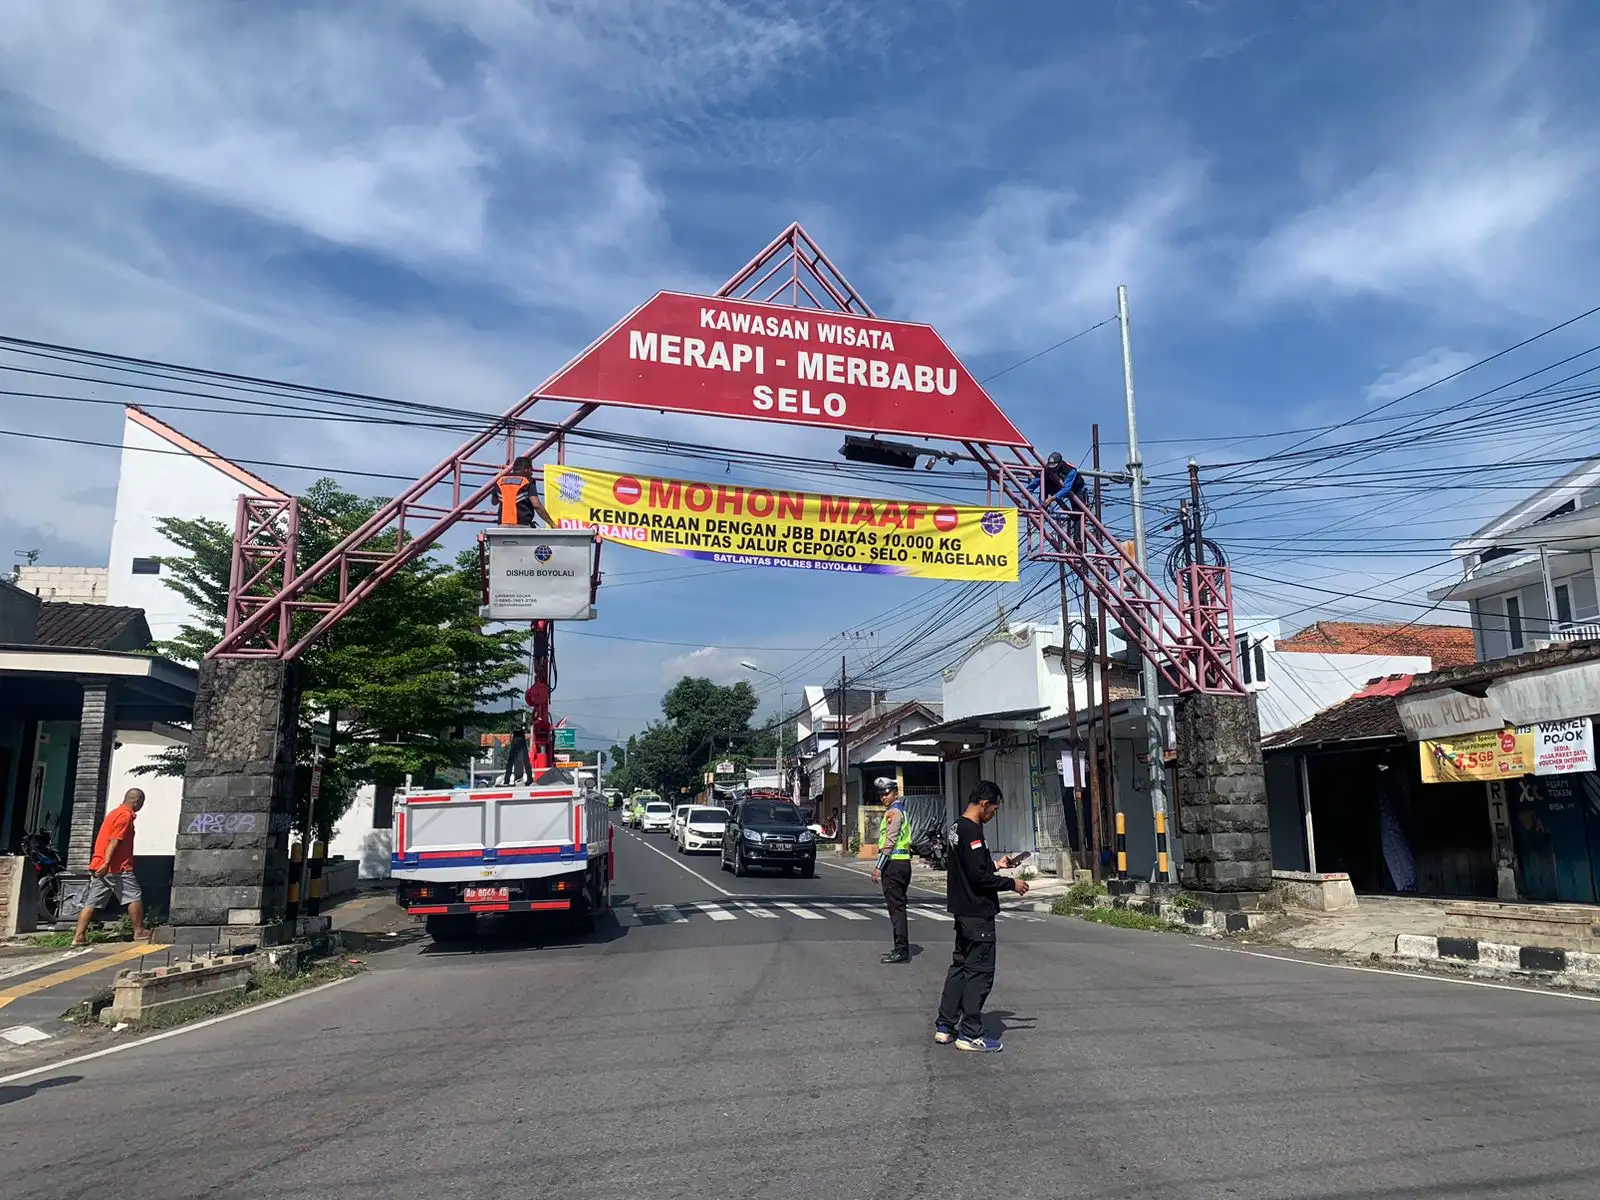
1128,918
1080,895
1185,902
264,985
120,930
63,937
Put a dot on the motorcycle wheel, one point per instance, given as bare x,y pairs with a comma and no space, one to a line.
49,897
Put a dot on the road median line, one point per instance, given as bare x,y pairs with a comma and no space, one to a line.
78,970
47,1068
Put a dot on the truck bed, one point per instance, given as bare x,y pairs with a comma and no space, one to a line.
505,849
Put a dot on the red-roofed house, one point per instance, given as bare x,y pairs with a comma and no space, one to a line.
1446,645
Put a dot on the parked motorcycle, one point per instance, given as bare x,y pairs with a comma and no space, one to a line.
48,867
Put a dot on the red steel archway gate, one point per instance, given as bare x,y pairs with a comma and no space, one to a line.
786,340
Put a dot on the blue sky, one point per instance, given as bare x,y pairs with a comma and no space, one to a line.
1317,207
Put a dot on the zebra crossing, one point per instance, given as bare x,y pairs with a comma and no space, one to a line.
761,909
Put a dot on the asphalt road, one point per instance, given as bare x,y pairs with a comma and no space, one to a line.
772,1055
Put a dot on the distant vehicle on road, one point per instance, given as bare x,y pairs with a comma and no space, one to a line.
636,803
657,817
613,797
701,829
768,834
678,814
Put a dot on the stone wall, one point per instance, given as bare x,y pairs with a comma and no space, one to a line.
231,861
96,737
1222,798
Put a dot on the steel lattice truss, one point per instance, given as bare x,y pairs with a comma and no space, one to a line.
1189,639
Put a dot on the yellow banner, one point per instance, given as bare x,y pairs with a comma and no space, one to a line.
1502,754
778,527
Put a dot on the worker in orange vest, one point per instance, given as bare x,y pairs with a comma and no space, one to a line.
519,495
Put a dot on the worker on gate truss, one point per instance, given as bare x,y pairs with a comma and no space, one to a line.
519,490
1058,481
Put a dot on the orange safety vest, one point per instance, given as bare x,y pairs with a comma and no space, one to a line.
510,485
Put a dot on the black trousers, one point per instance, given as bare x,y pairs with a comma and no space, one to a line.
971,976
896,880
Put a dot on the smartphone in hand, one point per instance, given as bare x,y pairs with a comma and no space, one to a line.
1016,860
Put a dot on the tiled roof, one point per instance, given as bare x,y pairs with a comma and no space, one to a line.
1372,712
1391,685
1447,645
1562,654
1359,718
92,627
900,712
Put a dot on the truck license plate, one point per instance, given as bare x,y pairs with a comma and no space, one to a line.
477,895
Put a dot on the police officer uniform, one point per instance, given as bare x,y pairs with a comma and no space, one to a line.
894,870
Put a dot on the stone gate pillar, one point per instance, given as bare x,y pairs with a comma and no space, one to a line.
1222,801
230,871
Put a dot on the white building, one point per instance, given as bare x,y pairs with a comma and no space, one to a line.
1293,684
1009,706
1528,576
166,474
162,473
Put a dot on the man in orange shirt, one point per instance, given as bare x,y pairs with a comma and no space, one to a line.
111,869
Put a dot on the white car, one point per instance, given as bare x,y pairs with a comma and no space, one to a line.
677,819
657,817
701,829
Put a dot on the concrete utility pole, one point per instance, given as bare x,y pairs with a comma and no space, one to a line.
843,726
1155,743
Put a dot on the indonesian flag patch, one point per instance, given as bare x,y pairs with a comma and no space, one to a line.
977,845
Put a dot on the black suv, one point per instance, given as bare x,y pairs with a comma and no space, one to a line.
768,833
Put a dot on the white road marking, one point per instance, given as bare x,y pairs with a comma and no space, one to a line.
48,1068
756,910
23,965
715,913
844,912
680,865
1421,976
932,914
916,887
803,913
669,913
872,910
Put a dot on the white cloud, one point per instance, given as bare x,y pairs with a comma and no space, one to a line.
708,662
499,142
1418,372
1467,217
1480,194
1036,262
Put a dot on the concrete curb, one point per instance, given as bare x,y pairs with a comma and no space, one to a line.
1574,965
1209,921
1206,921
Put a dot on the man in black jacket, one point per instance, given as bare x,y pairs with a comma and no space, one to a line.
974,900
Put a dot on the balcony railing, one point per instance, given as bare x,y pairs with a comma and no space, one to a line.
1577,631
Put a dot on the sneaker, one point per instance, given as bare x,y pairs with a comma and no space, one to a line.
894,956
983,1045
943,1034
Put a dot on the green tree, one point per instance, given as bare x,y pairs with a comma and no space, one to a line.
702,722
410,671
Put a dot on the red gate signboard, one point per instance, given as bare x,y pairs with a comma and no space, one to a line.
772,362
